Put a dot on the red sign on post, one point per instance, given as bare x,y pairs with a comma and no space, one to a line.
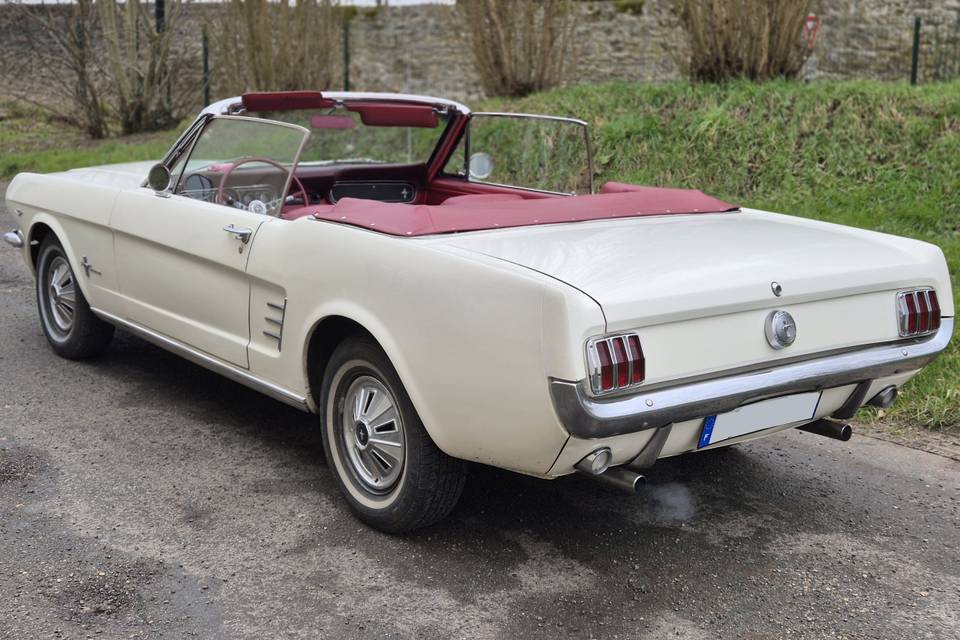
810,29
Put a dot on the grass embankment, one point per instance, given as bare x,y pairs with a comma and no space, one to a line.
873,155
31,141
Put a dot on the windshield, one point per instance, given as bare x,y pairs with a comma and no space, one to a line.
340,136
241,162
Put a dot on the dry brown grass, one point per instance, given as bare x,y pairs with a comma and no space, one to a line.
755,39
519,46
275,46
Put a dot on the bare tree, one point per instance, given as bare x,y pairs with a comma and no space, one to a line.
264,45
62,61
755,39
140,64
519,46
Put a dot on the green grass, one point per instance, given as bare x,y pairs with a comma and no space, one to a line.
874,155
868,154
31,141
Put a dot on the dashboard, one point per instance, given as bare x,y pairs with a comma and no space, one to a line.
381,190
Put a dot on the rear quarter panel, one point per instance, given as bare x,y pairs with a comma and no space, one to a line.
473,339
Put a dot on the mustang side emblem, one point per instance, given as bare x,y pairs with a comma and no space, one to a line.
781,330
88,267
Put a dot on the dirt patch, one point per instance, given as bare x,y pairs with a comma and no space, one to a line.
942,443
18,465
99,594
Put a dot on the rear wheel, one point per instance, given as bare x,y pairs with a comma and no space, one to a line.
68,323
389,470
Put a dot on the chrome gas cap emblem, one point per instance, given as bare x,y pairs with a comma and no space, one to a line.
780,329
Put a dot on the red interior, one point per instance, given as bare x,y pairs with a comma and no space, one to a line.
378,114
284,100
494,211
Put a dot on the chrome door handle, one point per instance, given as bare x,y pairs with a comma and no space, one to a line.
242,234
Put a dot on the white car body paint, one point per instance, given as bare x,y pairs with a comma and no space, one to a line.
478,323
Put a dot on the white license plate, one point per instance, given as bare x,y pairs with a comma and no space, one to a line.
759,416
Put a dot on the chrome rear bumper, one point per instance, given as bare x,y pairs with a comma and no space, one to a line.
588,417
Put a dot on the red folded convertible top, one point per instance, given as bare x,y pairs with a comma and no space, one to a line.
419,220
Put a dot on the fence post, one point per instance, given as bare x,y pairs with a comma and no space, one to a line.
206,68
346,54
915,57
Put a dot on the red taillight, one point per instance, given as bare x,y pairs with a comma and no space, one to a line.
606,366
615,362
620,360
636,356
918,312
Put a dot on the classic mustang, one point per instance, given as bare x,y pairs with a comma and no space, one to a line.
441,286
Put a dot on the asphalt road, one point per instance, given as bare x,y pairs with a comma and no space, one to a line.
142,496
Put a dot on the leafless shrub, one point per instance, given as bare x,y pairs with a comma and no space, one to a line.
519,46
63,61
755,39
275,46
141,63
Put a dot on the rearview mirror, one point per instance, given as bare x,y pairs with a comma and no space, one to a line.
159,177
481,166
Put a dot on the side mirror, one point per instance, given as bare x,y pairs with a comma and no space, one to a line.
481,166
159,178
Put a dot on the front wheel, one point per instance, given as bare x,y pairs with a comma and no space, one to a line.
389,470
68,323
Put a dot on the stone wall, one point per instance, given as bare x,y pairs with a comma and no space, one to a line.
421,49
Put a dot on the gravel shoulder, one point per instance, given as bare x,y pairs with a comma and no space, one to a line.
142,496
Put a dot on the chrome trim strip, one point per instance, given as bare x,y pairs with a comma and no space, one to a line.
14,238
196,356
229,105
589,417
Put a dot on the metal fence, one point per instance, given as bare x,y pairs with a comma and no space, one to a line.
920,49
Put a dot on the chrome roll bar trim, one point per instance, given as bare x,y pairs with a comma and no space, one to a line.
207,361
588,417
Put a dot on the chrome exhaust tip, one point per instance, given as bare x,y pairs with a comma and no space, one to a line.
595,462
885,398
617,477
828,428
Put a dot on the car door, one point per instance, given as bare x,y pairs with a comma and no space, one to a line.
181,253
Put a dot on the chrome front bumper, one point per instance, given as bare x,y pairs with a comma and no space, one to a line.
588,417
14,238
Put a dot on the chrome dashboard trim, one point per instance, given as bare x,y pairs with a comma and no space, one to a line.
597,417
207,361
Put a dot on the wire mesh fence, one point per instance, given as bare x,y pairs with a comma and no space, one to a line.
919,49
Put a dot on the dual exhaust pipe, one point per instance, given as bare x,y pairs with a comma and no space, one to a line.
828,428
596,465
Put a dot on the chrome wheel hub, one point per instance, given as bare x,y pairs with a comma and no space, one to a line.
371,434
61,294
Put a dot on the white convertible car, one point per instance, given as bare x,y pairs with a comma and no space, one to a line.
441,286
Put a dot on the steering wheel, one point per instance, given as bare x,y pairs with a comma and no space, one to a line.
233,165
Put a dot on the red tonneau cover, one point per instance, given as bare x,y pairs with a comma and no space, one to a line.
419,220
